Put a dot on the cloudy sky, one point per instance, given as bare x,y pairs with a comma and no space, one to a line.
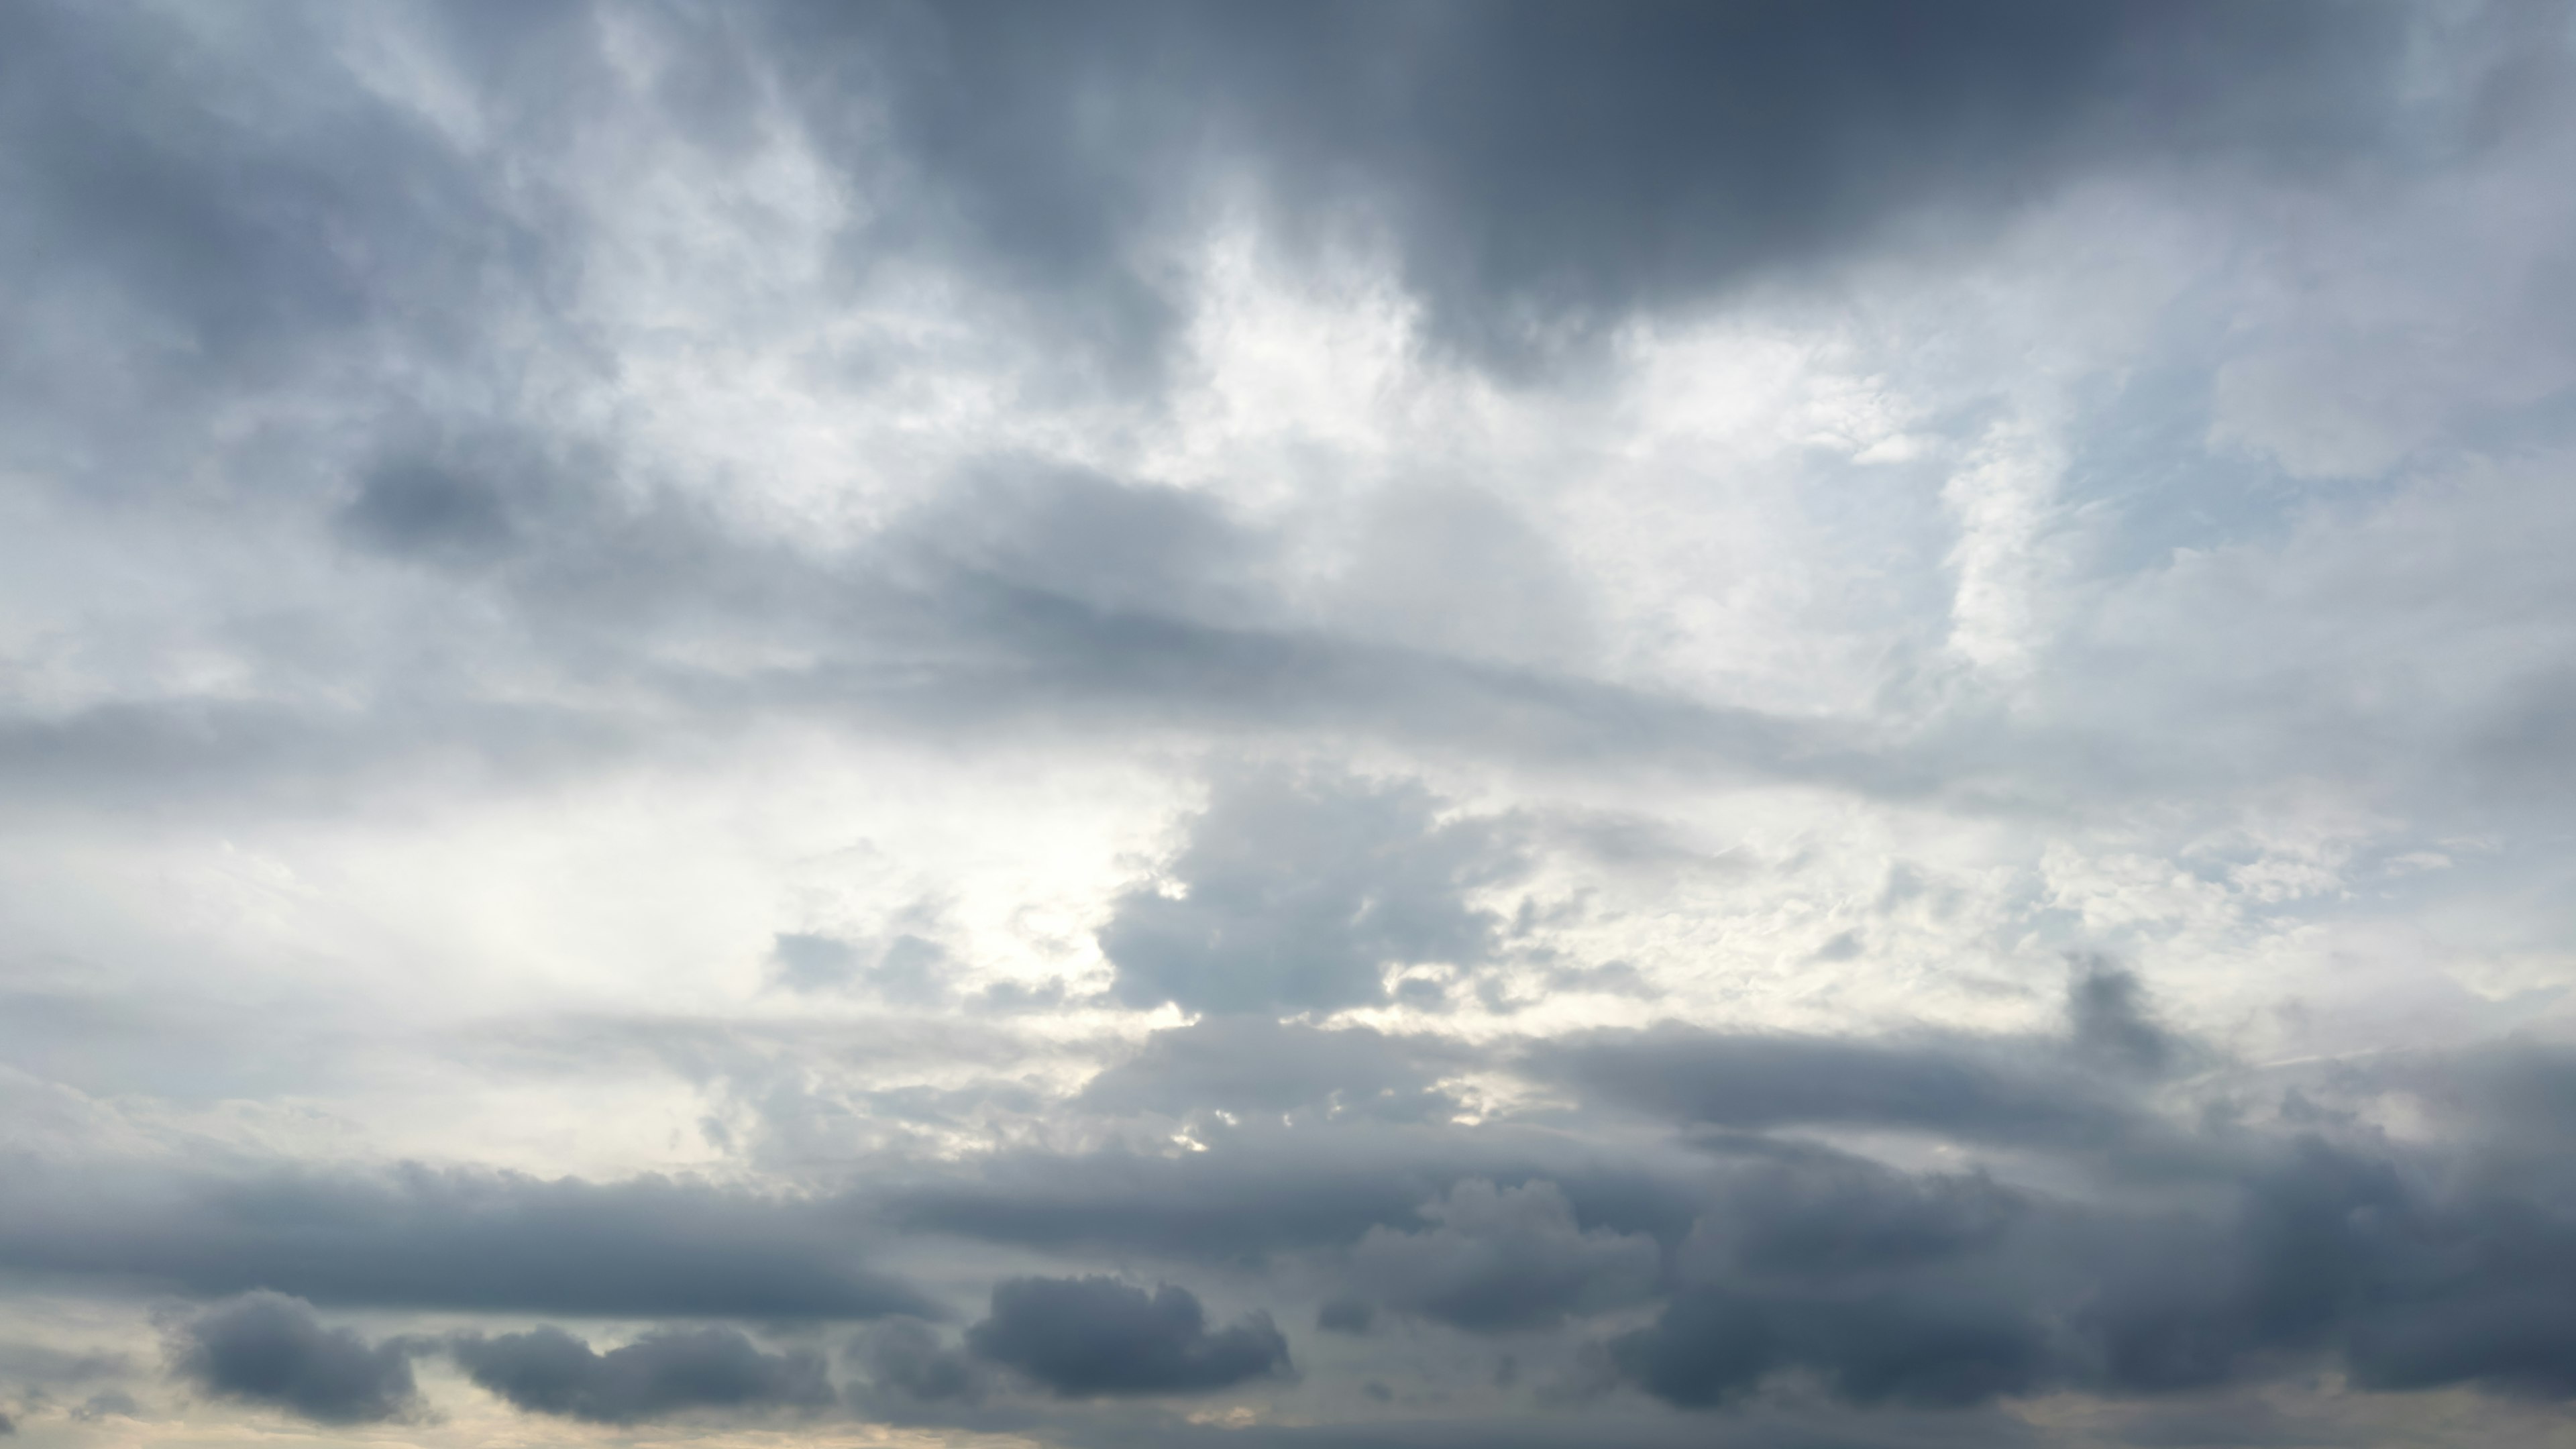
1392,725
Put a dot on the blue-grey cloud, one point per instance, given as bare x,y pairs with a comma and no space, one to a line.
1083,1337
666,1372
465,1240
267,1348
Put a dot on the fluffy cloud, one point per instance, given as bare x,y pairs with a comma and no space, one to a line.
548,1371
1083,1337
1301,895
267,1348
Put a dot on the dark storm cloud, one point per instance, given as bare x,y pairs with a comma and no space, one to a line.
2408,1272
1544,170
464,1240
1301,894
2212,1248
266,1348
671,1371
1085,1337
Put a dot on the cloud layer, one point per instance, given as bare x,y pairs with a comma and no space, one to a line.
1377,724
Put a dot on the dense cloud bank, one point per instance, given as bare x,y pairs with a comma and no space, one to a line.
426,1239
1356,725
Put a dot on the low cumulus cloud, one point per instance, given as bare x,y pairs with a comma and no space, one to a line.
269,1349
1094,1337
666,1372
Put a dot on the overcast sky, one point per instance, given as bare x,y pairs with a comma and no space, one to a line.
1391,725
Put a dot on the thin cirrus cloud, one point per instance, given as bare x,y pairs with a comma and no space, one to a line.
1396,724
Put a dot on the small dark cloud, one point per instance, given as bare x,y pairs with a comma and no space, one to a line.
667,1372
267,1348
423,509
1300,893
2107,1015
1085,1337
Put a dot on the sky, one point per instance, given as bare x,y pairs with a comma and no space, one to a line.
1376,725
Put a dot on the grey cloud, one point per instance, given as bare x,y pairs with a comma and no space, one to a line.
670,1371
1083,1337
2202,1255
1117,550
1246,1065
453,509
1752,1427
1947,1291
1711,1345
1544,171
464,1240
1301,894
266,1348
1506,1258
905,970
1760,1082
52,1364
1345,1315
1258,1191
2108,1020
924,630
904,1357
107,1404
2069,1092
187,231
